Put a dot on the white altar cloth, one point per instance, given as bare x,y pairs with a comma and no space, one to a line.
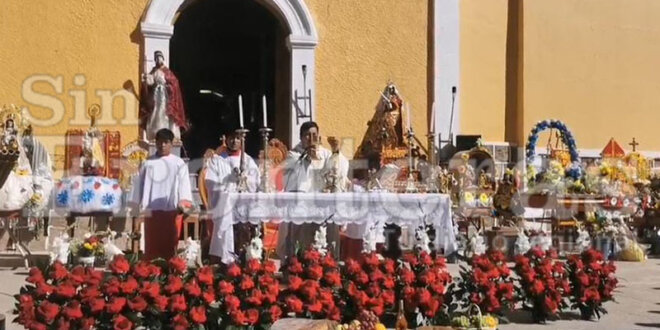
368,210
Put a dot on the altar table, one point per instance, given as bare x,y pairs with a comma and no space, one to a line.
366,210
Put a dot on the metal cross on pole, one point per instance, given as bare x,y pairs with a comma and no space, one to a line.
634,144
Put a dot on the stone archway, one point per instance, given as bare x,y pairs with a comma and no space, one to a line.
157,28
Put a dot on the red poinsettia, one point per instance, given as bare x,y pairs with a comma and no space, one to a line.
422,284
592,282
543,283
84,298
369,285
248,294
487,283
312,285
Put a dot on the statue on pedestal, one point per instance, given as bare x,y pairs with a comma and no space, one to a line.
92,161
161,103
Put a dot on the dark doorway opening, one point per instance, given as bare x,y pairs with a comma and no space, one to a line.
230,47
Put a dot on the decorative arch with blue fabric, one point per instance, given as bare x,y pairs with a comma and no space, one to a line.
575,170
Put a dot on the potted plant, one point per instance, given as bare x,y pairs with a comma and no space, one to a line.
543,283
593,281
88,249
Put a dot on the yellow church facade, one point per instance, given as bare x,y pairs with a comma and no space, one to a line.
594,64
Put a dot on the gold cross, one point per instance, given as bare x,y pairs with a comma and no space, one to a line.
634,144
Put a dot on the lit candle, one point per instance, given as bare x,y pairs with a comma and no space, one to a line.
240,110
263,100
433,118
408,115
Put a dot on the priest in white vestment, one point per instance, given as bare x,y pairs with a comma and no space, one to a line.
308,168
222,176
161,192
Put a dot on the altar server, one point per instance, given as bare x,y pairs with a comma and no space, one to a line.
222,176
161,192
310,167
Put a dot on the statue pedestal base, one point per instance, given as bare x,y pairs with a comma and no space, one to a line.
150,146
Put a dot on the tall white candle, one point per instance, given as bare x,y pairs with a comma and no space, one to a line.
240,110
433,118
263,100
408,115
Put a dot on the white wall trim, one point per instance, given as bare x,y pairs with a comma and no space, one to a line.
447,66
157,28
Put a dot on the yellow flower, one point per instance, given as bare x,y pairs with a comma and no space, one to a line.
380,326
483,198
88,246
468,197
490,321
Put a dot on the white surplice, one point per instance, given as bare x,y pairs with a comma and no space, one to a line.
163,182
221,177
303,174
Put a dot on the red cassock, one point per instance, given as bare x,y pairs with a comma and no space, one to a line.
161,234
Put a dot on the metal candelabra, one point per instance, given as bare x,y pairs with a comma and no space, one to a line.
242,175
265,176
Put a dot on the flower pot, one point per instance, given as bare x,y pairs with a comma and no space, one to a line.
587,314
87,261
604,246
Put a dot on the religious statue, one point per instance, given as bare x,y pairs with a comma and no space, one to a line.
385,135
17,179
60,249
256,248
320,240
422,240
161,103
192,252
92,161
522,244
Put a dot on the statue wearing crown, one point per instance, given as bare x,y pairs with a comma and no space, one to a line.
25,168
92,161
385,138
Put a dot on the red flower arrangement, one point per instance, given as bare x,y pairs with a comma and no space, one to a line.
370,285
487,283
313,285
142,295
543,283
423,285
249,295
593,281
57,297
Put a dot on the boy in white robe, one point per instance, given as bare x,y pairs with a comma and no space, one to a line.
161,192
305,170
222,177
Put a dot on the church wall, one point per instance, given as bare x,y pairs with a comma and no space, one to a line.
591,63
363,45
483,32
58,40
594,64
